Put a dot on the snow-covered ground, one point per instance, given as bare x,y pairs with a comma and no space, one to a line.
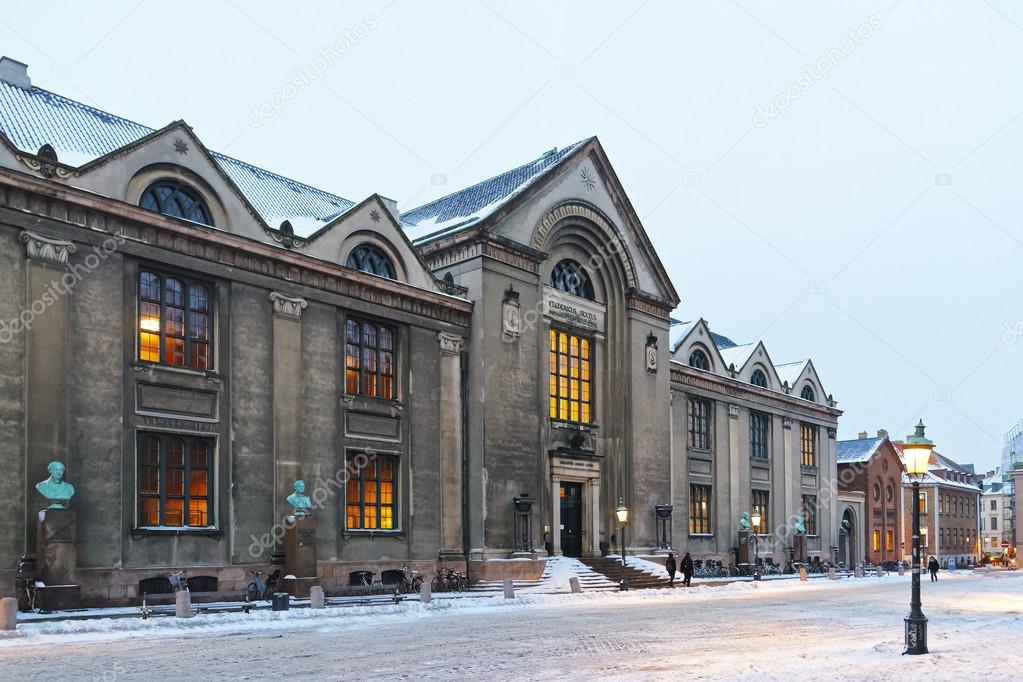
846,629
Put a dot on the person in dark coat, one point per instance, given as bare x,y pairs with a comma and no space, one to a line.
932,568
670,567
687,569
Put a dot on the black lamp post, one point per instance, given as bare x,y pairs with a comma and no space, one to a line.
756,544
524,522
917,455
622,512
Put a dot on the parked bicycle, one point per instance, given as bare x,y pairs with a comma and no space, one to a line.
450,581
259,589
410,582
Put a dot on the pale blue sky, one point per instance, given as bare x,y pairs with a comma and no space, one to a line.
874,226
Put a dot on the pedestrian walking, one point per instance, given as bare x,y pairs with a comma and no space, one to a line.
687,570
671,568
932,568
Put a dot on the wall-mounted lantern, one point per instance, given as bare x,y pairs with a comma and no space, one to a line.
662,512
524,522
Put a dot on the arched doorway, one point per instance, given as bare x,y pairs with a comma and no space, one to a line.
847,539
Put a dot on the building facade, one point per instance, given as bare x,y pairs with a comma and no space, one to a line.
872,467
997,515
481,378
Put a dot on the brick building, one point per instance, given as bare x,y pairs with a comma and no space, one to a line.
872,467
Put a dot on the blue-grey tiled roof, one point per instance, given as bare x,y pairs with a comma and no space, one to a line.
472,204
80,133
859,450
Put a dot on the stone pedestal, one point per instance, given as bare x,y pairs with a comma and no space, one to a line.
743,553
57,559
799,548
300,556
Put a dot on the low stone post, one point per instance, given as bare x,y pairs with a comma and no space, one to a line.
832,574
880,572
425,594
183,604
573,582
859,570
316,599
802,573
8,613
902,568
509,588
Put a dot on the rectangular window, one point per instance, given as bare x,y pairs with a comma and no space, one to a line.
760,499
923,501
808,445
699,510
994,505
699,424
809,509
173,320
994,523
758,435
571,381
889,541
369,359
370,491
876,540
174,481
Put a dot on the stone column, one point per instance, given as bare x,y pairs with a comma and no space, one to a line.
556,514
287,396
594,524
450,429
45,318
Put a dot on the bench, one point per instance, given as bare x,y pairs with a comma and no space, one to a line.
164,599
363,594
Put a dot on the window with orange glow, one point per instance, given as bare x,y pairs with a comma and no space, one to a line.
808,445
877,541
174,320
570,377
369,359
370,501
174,486
889,540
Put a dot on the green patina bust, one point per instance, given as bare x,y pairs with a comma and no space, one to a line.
799,525
55,489
298,500
744,523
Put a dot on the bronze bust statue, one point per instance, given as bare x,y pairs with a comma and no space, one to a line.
300,503
55,489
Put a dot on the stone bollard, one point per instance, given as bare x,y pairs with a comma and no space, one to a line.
832,574
880,572
902,568
316,599
573,582
183,604
859,570
425,595
509,588
802,573
8,613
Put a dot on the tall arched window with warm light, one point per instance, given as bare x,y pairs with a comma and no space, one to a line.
174,320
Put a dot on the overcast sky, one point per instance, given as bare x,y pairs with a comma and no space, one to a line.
840,179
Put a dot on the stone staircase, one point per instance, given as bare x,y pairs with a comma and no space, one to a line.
554,579
611,568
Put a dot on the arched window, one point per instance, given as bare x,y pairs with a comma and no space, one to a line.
569,276
758,379
698,359
174,199
807,393
369,258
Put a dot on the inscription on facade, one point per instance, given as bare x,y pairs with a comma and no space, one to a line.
573,311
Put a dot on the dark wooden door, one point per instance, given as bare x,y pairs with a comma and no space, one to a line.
572,519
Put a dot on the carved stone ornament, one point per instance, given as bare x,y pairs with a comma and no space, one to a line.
46,164
450,344
786,423
733,411
511,314
287,305
47,249
651,353
832,434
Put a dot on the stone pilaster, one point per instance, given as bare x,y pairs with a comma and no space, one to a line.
450,430
287,396
44,319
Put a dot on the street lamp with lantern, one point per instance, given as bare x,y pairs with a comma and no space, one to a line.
622,512
755,520
917,454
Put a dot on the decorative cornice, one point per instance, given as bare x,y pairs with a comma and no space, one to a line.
287,306
479,244
47,249
80,209
450,344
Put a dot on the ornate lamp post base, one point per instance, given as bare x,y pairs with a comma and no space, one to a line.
916,634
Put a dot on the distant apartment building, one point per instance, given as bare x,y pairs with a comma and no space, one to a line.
996,514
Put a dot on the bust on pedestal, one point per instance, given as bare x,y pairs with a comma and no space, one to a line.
56,532
743,549
300,544
799,540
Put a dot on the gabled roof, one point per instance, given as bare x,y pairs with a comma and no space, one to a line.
466,207
681,330
80,133
737,355
857,450
790,371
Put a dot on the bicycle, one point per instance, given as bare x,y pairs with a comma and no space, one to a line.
411,582
259,589
450,581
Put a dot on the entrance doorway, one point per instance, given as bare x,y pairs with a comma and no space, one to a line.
571,519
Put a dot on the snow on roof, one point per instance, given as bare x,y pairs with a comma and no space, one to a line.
468,206
933,479
80,133
857,450
790,371
737,355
